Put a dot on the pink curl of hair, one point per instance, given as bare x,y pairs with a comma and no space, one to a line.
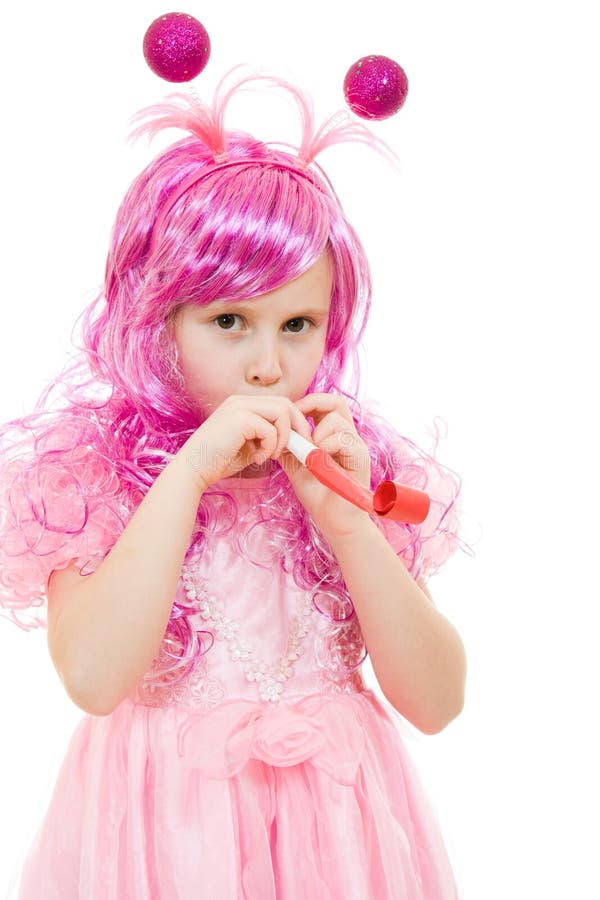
73,471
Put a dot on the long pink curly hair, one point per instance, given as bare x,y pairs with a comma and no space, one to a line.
251,218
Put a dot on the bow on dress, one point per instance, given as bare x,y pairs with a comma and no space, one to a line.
326,731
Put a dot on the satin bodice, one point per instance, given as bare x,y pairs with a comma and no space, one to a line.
270,640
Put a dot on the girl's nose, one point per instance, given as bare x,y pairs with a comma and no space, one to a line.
264,366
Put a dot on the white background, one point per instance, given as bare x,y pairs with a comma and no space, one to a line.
483,253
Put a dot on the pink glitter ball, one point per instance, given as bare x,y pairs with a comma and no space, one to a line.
176,47
375,87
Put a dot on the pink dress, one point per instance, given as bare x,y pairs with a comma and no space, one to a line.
259,777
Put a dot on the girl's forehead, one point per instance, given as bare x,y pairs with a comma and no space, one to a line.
310,289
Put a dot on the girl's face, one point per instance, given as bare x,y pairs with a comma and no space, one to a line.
271,344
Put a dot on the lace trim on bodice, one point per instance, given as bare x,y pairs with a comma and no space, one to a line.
271,678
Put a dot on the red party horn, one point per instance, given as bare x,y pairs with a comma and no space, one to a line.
390,500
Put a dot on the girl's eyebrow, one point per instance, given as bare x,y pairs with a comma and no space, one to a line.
230,306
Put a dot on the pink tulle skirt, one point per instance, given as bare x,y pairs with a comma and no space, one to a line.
316,798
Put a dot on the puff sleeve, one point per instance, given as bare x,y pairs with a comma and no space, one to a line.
424,548
54,510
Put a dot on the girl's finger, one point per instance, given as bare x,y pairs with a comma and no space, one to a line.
259,429
318,406
351,455
284,427
334,423
298,423
280,410
339,444
272,419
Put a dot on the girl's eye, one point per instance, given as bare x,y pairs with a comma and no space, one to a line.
227,320
296,322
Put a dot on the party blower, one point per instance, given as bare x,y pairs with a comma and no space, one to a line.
389,500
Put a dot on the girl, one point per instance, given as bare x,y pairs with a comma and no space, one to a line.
209,602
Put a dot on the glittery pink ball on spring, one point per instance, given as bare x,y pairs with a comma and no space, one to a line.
176,47
375,87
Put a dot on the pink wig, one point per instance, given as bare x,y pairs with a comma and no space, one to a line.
219,214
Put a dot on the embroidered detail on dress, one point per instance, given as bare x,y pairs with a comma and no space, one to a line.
341,650
352,684
196,690
270,678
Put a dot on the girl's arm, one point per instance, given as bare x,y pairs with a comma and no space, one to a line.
417,655
105,629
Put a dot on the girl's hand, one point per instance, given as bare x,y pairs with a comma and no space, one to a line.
335,433
242,430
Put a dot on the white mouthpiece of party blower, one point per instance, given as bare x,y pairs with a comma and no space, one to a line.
299,446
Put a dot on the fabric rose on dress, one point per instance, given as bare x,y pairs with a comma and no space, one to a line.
324,731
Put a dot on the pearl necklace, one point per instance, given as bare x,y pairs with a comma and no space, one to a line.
270,678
